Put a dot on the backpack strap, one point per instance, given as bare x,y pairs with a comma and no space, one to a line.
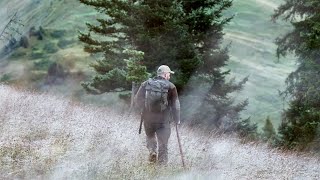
146,105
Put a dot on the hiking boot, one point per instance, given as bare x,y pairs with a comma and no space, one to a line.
153,157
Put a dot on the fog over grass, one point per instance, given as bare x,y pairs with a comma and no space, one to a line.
47,137
251,34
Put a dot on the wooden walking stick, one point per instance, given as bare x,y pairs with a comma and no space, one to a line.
141,121
180,147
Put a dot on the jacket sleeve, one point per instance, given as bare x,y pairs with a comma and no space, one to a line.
140,97
174,103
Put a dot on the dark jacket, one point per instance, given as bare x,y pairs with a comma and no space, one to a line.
173,109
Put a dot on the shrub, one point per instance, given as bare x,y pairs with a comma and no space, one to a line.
50,47
5,78
56,74
37,33
42,64
269,132
58,33
37,55
63,43
24,42
18,53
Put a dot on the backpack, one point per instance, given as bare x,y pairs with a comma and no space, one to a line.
156,99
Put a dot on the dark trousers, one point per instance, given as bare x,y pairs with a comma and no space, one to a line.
158,131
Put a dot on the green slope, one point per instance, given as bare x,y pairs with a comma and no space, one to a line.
251,34
253,54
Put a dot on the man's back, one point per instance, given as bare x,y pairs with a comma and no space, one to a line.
172,101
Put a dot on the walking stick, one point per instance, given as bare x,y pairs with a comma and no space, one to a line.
141,121
180,147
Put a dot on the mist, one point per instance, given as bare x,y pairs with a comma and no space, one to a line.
49,137
252,50
59,135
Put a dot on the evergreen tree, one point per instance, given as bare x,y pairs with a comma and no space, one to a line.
184,34
218,110
300,123
136,73
268,130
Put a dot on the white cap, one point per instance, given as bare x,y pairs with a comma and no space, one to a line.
164,69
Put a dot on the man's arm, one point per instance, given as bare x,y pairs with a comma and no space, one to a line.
175,104
140,97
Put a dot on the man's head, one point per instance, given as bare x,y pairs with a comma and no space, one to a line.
164,71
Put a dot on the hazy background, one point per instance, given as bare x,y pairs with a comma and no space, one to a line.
252,51
58,135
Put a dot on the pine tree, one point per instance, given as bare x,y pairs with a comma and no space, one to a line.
136,72
186,35
301,121
268,130
218,110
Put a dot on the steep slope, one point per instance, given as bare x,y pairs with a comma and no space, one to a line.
52,14
253,54
252,51
47,137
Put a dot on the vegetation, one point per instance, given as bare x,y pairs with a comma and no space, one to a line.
269,133
5,78
58,34
301,121
186,35
50,48
63,43
183,34
42,64
55,138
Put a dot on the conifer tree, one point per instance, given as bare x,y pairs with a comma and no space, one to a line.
301,122
268,130
186,35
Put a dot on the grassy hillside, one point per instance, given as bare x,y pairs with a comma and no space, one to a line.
252,51
57,22
253,54
49,137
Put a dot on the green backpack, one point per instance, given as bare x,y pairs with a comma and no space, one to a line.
156,99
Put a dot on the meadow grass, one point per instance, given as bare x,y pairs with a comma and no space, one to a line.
49,137
252,50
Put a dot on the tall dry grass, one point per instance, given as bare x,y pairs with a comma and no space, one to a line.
47,137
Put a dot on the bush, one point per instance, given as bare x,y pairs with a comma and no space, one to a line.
56,70
37,55
50,47
246,129
18,53
58,33
24,42
56,74
300,126
37,33
5,78
42,64
63,43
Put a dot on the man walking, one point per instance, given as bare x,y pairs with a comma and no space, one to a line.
159,100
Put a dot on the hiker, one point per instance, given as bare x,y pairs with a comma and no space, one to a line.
158,99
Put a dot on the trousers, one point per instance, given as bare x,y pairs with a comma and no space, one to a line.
157,132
